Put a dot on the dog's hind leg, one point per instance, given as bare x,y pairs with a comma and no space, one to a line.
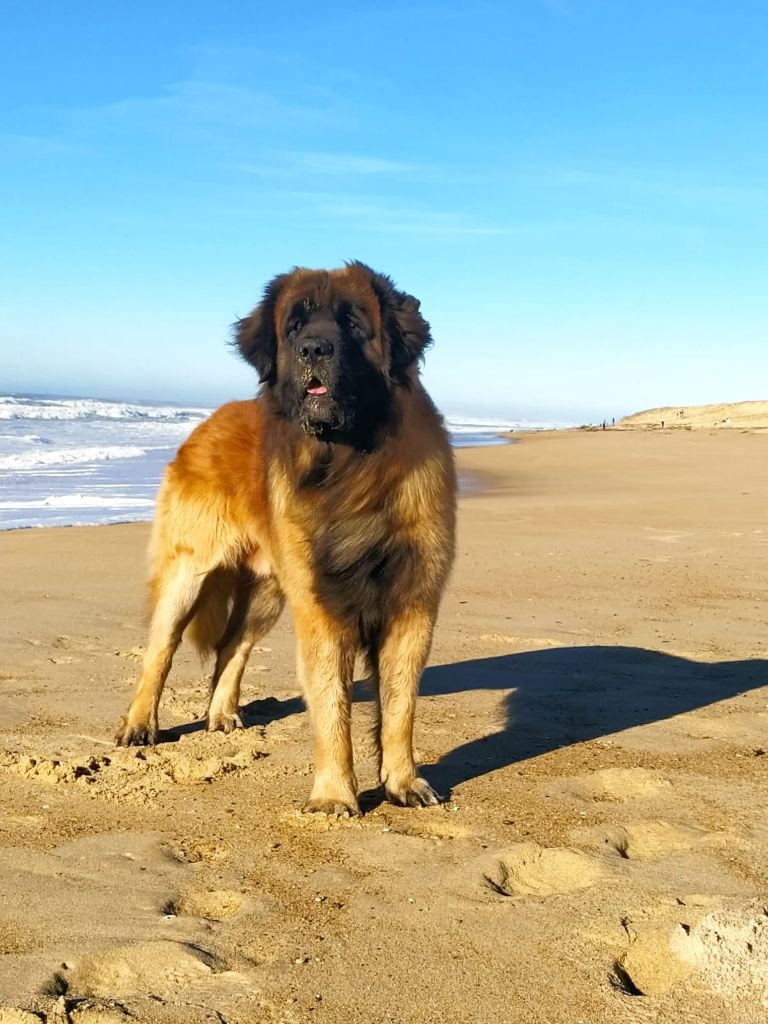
175,592
257,606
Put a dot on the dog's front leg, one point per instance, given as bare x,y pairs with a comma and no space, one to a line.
326,661
398,659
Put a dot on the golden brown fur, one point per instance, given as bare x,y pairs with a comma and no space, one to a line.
357,535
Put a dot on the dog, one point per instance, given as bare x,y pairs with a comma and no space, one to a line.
334,490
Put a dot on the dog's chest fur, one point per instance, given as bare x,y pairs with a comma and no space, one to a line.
350,532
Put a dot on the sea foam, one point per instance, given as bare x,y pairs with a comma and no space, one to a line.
66,461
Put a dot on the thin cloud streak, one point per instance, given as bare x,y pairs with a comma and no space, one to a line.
297,163
374,214
190,105
347,163
649,184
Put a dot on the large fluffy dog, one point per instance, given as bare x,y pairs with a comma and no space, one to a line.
333,489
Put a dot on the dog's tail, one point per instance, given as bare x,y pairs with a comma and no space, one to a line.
212,611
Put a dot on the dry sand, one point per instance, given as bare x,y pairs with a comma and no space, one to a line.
597,707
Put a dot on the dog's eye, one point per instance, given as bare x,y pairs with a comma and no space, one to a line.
294,326
355,327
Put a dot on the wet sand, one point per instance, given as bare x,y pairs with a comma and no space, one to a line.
596,707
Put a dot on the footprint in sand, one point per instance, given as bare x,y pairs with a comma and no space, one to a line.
202,851
79,643
212,904
617,784
528,869
650,967
742,728
646,840
154,969
726,949
729,949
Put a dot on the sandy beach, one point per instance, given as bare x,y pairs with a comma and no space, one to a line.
596,708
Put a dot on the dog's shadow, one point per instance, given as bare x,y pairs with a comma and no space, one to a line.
553,698
561,696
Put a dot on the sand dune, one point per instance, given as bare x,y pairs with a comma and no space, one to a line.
741,415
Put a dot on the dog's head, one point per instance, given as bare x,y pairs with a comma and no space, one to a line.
331,346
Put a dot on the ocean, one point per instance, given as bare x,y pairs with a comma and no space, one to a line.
78,461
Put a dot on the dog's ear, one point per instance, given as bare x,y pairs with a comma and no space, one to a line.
255,335
407,330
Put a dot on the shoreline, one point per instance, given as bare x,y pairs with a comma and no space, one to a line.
479,475
468,481
91,460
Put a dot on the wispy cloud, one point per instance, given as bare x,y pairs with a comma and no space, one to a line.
318,164
347,163
371,214
189,106
290,163
638,183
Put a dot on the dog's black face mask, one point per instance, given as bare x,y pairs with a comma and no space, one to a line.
333,383
330,347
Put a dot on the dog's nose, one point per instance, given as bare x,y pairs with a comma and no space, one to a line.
316,348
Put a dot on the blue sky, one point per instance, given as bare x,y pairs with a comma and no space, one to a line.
577,190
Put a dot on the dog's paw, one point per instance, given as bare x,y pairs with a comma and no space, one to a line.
136,734
224,721
417,793
333,808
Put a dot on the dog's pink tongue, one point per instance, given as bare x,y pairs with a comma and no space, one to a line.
321,389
